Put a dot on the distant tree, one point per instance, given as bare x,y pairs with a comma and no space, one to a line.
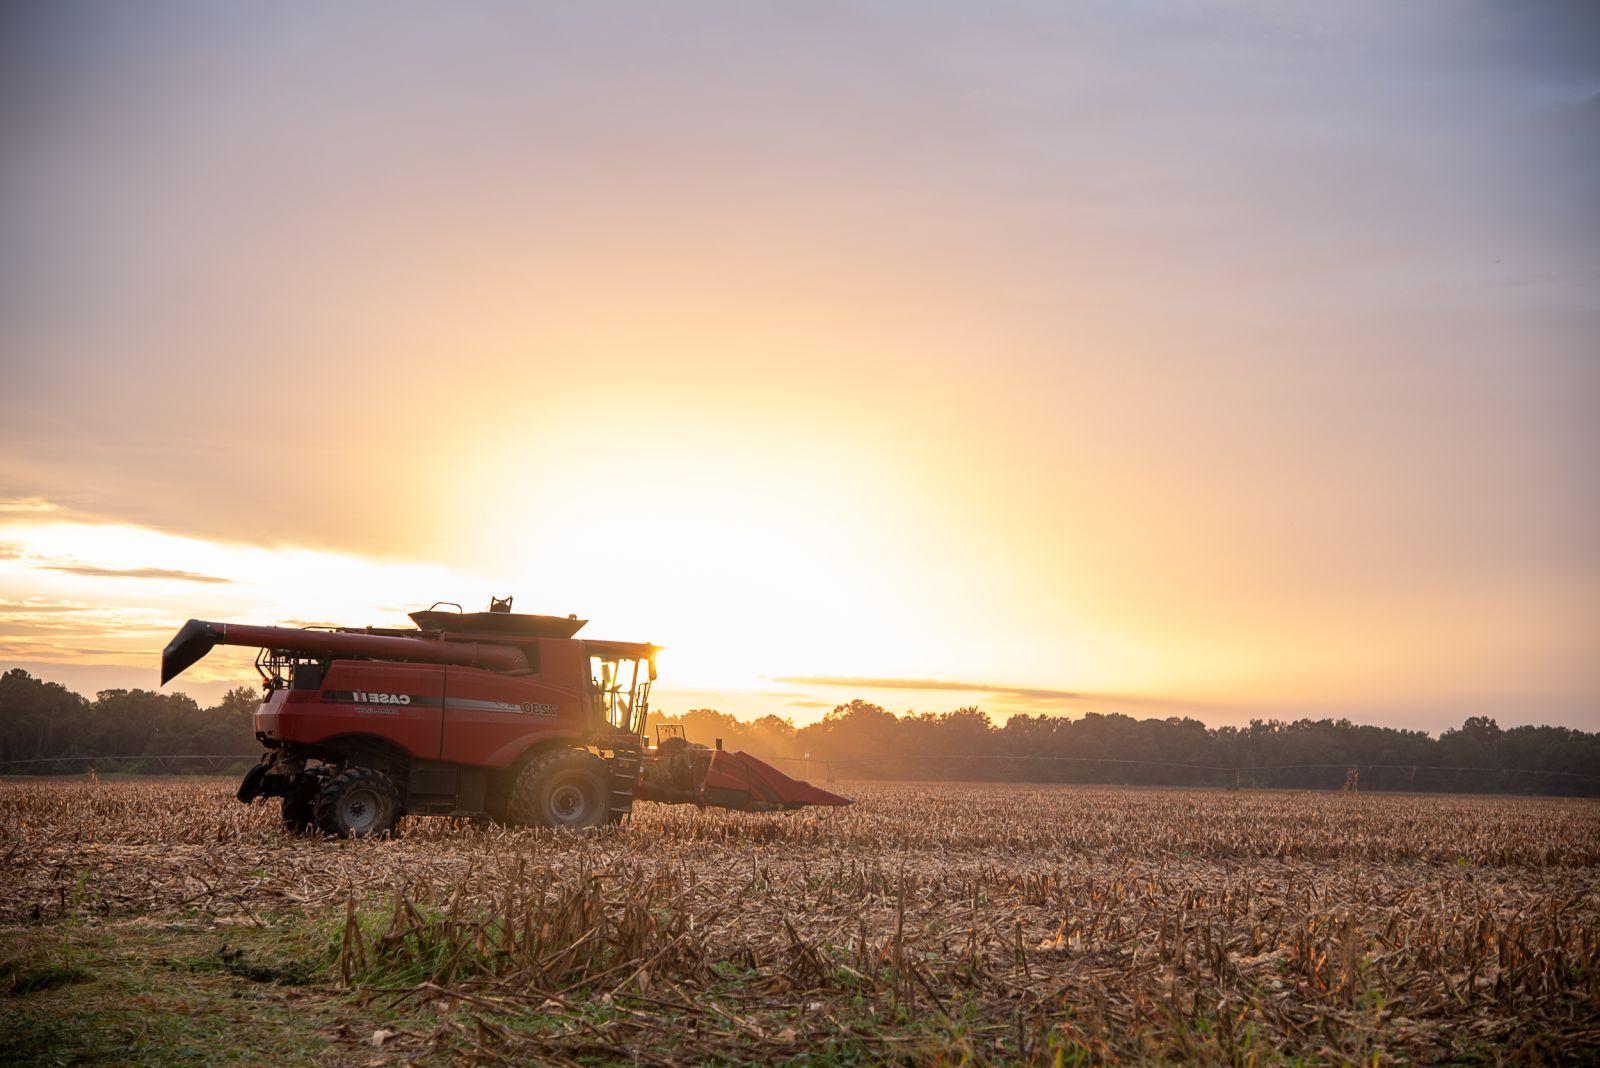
131,722
38,719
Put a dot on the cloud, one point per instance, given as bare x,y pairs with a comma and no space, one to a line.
49,626
33,649
10,551
27,505
1035,695
869,683
134,572
9,608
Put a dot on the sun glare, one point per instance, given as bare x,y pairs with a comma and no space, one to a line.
741,560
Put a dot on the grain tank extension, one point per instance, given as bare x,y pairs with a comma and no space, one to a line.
494,714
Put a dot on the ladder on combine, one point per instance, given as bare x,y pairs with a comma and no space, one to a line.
624,765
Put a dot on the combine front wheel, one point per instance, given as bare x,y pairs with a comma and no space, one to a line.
356,803
567,788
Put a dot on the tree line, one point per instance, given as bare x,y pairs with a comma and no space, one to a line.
860,740
45,721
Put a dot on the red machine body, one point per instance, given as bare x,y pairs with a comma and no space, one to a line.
465,715
490,713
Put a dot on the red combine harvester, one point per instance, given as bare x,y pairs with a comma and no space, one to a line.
470,714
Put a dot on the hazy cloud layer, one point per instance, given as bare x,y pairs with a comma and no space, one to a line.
929,685
1006,699
26,506
132,572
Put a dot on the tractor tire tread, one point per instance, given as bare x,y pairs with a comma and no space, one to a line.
523,804
327,803
298,810
298,814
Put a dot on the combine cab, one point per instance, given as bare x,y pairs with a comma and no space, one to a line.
470,714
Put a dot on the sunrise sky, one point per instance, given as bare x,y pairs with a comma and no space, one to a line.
1227,359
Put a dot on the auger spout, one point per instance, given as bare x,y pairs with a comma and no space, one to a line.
198,637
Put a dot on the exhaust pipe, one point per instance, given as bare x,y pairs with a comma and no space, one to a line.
198,637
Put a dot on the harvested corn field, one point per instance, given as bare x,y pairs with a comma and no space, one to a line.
160,920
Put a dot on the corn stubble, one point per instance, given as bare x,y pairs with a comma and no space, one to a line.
928,923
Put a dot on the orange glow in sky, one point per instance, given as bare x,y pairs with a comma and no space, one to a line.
1232,363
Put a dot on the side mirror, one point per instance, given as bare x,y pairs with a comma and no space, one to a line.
652,669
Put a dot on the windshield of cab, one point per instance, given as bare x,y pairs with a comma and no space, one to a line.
621,689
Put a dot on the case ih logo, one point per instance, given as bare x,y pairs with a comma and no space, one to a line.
362,697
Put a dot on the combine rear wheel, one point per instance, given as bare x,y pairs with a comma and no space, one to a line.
299,809
299,814
567,788
356,803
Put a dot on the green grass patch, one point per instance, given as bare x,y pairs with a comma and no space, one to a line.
19,978
173,993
